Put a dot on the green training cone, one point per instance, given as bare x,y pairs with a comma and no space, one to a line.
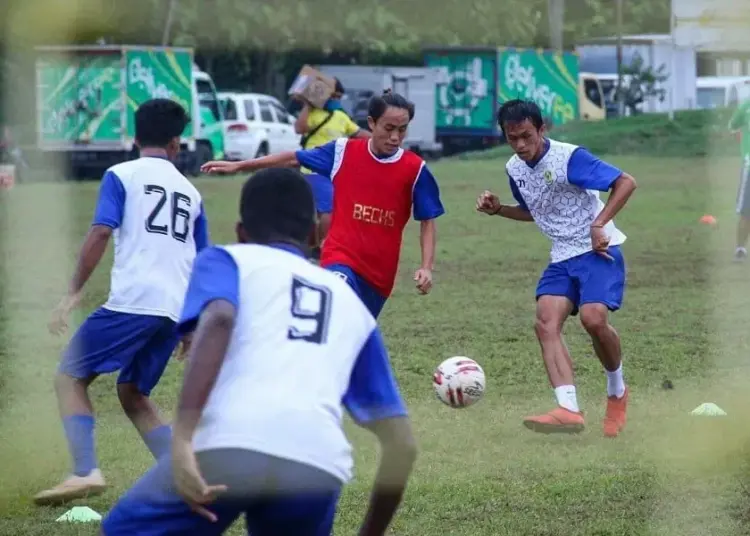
80,514
708,409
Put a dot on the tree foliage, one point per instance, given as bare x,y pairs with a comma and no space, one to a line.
640,83
241,37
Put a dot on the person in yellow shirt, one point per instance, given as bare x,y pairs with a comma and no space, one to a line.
319,126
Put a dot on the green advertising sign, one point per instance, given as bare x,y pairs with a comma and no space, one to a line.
465,96
158,74
549,79
79,99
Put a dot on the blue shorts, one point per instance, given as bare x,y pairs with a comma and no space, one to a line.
587,278
369,296
139,346
277,497
322,189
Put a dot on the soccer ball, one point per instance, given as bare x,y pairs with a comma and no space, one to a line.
459,382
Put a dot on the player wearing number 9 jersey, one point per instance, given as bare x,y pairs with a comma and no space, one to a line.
281,348
156,218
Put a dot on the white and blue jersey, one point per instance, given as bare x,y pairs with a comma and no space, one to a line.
303,350
159,226
561,191
304,347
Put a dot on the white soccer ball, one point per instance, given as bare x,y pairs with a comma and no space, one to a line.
459,382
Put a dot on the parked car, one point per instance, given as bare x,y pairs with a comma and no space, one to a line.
256,125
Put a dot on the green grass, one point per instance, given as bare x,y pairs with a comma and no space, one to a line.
645,135
479,472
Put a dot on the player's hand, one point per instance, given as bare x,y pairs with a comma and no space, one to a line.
220,166
600,242
488,203
189,481
185,343
59,322
423,277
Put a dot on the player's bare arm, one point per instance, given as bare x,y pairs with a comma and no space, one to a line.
621,190
427,241
91,254
210,342
285,159
489,203
397,455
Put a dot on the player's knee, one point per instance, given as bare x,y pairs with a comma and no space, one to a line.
324,223
132,400
65,383
546,326
594,319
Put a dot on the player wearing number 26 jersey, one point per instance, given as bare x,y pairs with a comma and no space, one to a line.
155,216
280,349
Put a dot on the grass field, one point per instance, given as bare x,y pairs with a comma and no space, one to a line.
479,472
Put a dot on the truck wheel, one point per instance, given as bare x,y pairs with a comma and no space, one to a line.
262,150
203,154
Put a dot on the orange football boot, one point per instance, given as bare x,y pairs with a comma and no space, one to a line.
557,421
616,415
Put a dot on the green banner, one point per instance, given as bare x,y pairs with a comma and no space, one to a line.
155,74
80,99
549,79
465,96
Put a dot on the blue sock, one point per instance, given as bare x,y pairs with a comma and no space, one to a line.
79,429
159,440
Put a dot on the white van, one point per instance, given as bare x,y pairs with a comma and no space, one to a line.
721,91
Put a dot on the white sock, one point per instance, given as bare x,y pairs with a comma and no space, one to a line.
566,397
615,383
740,249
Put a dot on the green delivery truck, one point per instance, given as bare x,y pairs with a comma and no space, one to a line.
87,97
472,82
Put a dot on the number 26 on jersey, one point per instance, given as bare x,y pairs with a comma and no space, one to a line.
177,218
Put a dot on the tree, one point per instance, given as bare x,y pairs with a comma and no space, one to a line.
640,83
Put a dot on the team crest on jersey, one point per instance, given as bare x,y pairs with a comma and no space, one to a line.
548,178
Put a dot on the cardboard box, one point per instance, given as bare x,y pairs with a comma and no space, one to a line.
313,86
7,177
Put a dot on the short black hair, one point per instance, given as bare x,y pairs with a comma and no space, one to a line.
380,103
339,86
518,111
159,121
277,205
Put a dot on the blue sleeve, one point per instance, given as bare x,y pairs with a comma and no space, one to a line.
200,231
111,203
588,172
215,277
373,394
517,194
426,197
320,159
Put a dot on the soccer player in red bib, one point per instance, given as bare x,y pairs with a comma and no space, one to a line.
378,186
